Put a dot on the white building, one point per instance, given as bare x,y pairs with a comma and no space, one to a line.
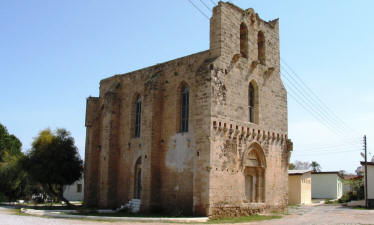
74,192
370,185
327,185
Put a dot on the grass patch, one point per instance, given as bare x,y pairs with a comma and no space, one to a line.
329,202
45,207
48,206
243,219
294,206
240,219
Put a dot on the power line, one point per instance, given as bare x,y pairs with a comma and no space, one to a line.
315,106
309,99
328,146
303,103
307,102
316,96
206,6
326,111
320,102
329,149
202,13
321,110
292,87
306,96
327,153
214,4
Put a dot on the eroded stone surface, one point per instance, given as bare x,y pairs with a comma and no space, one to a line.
228,163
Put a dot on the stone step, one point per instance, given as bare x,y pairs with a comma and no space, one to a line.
133,205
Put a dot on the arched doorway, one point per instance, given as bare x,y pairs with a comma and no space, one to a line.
138,178
254,172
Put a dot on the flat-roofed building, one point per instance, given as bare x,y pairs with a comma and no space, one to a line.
299,186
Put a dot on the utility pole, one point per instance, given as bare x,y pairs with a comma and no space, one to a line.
366,175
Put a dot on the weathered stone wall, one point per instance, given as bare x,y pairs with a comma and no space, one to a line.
231,77
203,171
171,161
92,158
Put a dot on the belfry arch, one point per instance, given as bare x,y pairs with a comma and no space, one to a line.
254,166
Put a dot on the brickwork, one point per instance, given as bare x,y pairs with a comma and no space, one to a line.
223,159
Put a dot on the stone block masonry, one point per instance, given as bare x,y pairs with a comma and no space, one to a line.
205,134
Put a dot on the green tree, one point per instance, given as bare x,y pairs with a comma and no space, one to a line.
299,165
291,166
315,166
54,162
9,143
12,176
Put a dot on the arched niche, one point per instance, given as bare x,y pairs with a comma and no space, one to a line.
254,166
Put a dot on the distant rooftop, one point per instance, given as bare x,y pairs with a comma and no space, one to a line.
329,172
298,172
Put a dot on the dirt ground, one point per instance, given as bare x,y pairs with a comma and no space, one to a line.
323,214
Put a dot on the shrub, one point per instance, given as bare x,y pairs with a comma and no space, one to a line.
327,201
2,197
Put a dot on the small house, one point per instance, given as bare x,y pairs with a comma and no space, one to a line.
74,192
327,185
299,187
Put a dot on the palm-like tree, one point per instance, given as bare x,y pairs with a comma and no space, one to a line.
315,166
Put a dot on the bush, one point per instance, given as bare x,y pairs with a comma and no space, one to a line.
361,192
353,195
2,197
327,201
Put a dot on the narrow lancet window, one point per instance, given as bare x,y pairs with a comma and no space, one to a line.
243,40
138,112
184,109
261,47
251,103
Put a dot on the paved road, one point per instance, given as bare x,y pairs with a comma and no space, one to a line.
324,214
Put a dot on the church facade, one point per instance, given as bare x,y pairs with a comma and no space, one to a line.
204,134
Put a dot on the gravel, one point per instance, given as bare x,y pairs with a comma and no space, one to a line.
324,214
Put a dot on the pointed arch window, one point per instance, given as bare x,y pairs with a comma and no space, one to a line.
243,40
184,116
251,103
138,112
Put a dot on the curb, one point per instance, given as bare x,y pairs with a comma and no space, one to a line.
59,214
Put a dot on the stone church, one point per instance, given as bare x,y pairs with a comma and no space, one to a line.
205,134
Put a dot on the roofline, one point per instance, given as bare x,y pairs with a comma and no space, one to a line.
155,65
329,172
297,174
367,163
290,174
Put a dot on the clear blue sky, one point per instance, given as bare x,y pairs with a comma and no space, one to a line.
54,53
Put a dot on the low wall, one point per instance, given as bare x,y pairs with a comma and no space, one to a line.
224,210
